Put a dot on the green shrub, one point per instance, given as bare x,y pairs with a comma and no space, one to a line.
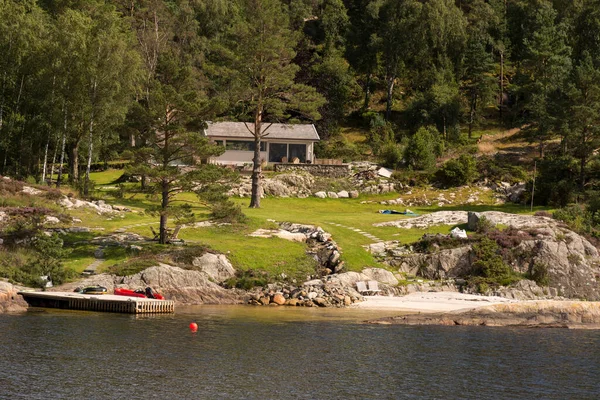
488,261
247,280
498,170
53,194
556,181
457,172
574,216
412,178
538,272
483,225
423,148
391,155
227,211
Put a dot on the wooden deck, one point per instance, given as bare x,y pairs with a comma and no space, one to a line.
103,302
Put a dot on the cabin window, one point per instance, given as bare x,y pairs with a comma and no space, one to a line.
297,151
243,145
277,152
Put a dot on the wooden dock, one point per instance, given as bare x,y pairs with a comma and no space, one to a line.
101,302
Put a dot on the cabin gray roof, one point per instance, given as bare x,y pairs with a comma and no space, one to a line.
276,131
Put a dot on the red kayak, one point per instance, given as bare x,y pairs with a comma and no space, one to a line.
148,293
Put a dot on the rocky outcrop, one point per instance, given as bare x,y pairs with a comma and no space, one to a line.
325,170
216,266
99,206
10,301
316,293
189,287
283,185
570,263
443,264
567,314
336,290
462,217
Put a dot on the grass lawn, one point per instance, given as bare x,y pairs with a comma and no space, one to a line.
276,255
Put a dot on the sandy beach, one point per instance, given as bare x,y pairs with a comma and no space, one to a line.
430,302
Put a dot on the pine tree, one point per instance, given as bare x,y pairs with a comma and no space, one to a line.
257,61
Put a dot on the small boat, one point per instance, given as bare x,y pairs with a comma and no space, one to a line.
92,290
147,294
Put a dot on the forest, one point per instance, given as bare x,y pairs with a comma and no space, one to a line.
83,82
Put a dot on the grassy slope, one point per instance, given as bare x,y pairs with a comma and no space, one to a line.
273,255
276,255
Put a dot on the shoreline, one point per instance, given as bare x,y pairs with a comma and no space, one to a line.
448,310
430,302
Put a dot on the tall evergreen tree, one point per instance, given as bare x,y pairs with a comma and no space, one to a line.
546,67
257,59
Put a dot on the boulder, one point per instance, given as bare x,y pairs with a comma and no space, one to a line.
275,188
31,191
343,194
10,301
353,194
347,278
321,195
442,264
51,220
181,285
381,275
278,299
216,266
298,182
332,195
472,220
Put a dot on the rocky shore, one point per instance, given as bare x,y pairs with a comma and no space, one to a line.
543,313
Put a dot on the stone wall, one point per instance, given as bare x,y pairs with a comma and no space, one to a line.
329,171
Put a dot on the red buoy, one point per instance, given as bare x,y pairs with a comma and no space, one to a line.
194,327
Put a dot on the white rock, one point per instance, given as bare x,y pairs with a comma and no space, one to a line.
343,194
332,195
320,195
216,266
51,220
31,191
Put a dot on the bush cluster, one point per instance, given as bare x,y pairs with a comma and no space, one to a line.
457,172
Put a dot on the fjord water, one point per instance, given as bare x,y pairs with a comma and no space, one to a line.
282,353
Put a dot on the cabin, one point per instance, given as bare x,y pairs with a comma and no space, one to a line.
282,143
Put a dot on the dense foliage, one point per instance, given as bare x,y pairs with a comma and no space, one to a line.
83,81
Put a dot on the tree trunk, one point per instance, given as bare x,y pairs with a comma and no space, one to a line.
256,167
53,163
501,99
472,115
74,163
390,94
2,101
367,92
86,186
45,160
64,143
62,158
163,212
583,161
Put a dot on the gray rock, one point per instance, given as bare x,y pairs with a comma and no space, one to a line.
216,266
332,195
51,220
472,220
381,275
353,194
